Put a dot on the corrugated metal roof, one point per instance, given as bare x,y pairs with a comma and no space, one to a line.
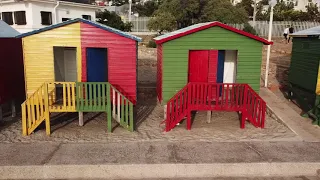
308,32
7,31
98,25
202,26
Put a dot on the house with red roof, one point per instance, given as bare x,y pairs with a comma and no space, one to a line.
209,63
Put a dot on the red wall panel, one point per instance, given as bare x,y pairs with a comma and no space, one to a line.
213,66
11,70
122,58
159,72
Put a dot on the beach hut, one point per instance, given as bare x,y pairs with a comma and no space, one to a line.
79,66
201,56
304,74
11,67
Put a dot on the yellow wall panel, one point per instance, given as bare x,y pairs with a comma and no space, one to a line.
318,82
39,58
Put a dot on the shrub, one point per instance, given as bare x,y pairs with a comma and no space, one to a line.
152,44
248,28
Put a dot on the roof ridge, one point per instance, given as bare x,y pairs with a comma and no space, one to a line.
202,26
93,23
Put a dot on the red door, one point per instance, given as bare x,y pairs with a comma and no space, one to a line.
198,66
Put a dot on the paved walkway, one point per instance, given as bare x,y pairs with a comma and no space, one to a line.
158,159
226,178
301,126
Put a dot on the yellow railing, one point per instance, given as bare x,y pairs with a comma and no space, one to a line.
62,96
50,97
35,110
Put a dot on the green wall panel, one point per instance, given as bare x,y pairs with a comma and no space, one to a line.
304,65
176,52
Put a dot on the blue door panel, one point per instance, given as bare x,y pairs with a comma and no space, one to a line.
97,66
221,57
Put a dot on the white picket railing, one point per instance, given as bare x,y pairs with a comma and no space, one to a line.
262,27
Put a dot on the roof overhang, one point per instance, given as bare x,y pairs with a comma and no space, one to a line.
95,24
209,25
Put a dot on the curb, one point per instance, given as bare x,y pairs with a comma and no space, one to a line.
149,171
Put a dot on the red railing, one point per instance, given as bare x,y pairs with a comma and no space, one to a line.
216,97
177,108
255,108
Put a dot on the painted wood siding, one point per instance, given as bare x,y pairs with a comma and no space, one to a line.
304,65
122,57
175,57
213,65
11,69
159,72
38,54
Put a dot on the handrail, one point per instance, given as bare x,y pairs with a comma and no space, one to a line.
216,96
68,103
92,96
255,108
122,109
111,86
34,110
177,108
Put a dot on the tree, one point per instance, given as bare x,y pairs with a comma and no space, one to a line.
247,5
163,21
225,12
147,8
122,2
313,12
248,28
113,20
286,12
188,12
261,15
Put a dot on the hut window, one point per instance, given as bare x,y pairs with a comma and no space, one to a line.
46,18
65,19
20,17
7,17
88,17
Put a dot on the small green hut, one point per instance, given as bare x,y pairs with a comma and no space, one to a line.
304,74
209,52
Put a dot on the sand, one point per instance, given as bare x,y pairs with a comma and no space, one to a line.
224,127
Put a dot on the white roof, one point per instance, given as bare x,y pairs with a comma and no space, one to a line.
7,31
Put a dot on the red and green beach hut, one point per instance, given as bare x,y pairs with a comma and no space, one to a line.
209,63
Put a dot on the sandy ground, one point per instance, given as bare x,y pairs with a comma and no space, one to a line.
280,58
224,126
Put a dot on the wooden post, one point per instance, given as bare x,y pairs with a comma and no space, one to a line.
209,117
80,118
1,115
165,111
13,109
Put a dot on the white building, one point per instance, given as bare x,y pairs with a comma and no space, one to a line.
28,15
298,4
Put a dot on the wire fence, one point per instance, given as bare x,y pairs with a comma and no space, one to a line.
262,27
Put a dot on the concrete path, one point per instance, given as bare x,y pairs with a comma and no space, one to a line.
290,117
225,178
158,160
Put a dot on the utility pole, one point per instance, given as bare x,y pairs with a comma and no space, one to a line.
254,13
130,4
272,3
